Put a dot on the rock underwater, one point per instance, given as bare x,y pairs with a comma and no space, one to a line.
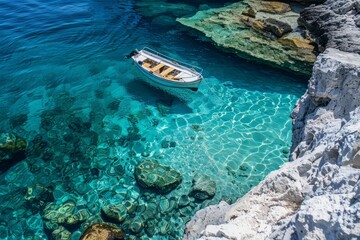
203,187
103,231
12,150
259,30
152,175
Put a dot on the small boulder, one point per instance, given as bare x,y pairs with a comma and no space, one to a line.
136,225
78,125
152,175
118,212
61,233
59,213
103,231
168,144
12,149
203,187
276,27
37,196
183,201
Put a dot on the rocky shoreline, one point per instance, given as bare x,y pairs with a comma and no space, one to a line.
266,31
316,195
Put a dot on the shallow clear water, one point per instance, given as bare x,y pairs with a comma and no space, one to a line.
62,67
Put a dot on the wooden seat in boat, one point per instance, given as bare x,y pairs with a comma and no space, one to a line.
146,64
157,67
166,72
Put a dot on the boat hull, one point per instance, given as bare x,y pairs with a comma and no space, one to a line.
194,85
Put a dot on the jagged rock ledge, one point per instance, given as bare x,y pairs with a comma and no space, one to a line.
267,31
317,194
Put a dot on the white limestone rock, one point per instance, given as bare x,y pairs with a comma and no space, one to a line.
213,214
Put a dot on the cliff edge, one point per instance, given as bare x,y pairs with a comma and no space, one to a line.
317,194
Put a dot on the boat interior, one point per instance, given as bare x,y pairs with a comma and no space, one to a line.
160,69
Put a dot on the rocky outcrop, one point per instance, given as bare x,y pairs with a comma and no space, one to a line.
335,24
326,136
315,196
259,30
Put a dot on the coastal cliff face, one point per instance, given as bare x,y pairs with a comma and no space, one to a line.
335,24
317,194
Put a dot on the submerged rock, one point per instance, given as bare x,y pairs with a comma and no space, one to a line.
18,120
61,233
37,196
168,144
150,228
114,105
151,174
183,201
117,212
12,150
136,225
78,125
203,187
103,231
59,213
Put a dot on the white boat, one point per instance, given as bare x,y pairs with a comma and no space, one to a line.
166,71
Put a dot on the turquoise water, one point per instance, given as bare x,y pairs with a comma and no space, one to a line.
89,117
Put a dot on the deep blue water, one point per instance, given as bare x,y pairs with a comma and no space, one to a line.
62,64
